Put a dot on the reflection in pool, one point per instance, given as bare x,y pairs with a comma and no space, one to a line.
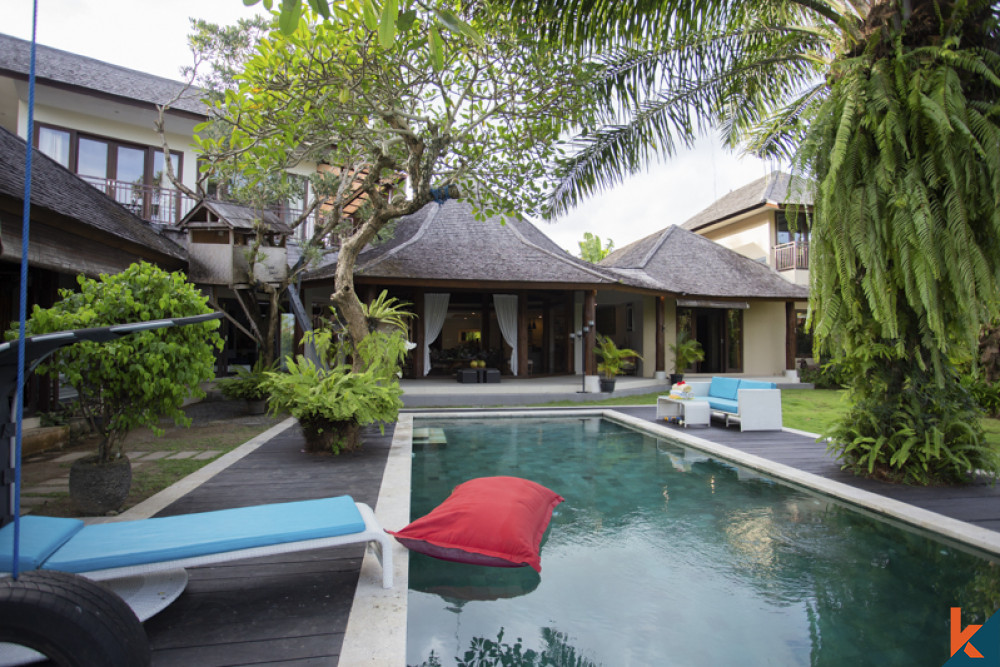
661,555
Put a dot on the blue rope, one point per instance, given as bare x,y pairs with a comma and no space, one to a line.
23,312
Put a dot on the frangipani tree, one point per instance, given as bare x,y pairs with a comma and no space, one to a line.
396,121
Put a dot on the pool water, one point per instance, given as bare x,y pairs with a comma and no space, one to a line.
661,555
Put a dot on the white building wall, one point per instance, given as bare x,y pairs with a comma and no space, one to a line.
111,127
752,237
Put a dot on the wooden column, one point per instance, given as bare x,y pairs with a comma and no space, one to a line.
570,307
484,324
418,351
589,316
522,334
790,335
661,323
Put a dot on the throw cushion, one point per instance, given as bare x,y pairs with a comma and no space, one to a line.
724,387
495,521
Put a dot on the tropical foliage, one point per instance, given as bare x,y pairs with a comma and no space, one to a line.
246,384
333,401
591,249
686,351
135,380
613,358
329,396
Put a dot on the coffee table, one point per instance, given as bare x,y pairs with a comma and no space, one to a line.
692,412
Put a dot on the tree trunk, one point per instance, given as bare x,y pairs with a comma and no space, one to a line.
273,324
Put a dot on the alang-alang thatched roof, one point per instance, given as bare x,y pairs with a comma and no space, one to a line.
444,244
686,264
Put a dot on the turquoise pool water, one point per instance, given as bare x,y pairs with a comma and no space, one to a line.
663,556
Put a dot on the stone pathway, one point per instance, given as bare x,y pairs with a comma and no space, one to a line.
37,493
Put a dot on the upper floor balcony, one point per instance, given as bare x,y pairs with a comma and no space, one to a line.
792,256
155,203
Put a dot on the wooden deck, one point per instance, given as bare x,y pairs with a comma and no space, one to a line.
978,504
290,609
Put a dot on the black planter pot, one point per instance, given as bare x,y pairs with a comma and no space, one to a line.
675,378
607,385
98,488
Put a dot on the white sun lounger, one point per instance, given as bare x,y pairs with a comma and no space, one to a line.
128,550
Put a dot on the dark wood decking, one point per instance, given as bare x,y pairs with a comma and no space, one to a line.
290,609
978,504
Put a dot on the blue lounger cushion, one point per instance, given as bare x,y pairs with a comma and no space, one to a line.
129,543
757,384
723,405
39,539
724,388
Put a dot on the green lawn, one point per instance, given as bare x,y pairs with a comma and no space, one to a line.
811,410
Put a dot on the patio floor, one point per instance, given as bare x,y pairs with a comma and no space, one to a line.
294,609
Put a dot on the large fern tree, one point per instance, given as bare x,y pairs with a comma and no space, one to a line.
889,109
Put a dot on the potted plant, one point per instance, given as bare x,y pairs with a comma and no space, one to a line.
613,359
331,400
132,381
686,351
246,385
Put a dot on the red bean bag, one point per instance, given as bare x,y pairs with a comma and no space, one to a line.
495,521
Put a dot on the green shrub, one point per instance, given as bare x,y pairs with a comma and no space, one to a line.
247,384
134,380
902,427
330,400
827,376
985,393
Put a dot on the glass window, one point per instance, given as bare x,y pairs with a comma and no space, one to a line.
131,167
55,144
160,169
783,233
92,158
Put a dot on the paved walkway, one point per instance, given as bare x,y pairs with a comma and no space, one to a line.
443,392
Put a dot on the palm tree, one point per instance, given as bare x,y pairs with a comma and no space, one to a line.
890,109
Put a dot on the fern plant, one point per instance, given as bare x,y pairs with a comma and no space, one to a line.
332,402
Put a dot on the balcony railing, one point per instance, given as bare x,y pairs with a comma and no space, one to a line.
167,205
150,202
794,255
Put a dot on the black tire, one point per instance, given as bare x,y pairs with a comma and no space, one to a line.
73,621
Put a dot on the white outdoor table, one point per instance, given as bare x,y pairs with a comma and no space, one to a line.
690,411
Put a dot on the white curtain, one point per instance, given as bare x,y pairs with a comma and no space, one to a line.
435,310
506,305
55,144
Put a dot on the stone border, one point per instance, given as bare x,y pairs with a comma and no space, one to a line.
376,627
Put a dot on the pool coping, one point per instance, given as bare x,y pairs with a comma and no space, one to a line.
376,630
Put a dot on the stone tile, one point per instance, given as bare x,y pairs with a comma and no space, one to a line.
155,456
39,489
207,454
182,455
69,458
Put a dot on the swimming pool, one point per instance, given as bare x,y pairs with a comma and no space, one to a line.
663,555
